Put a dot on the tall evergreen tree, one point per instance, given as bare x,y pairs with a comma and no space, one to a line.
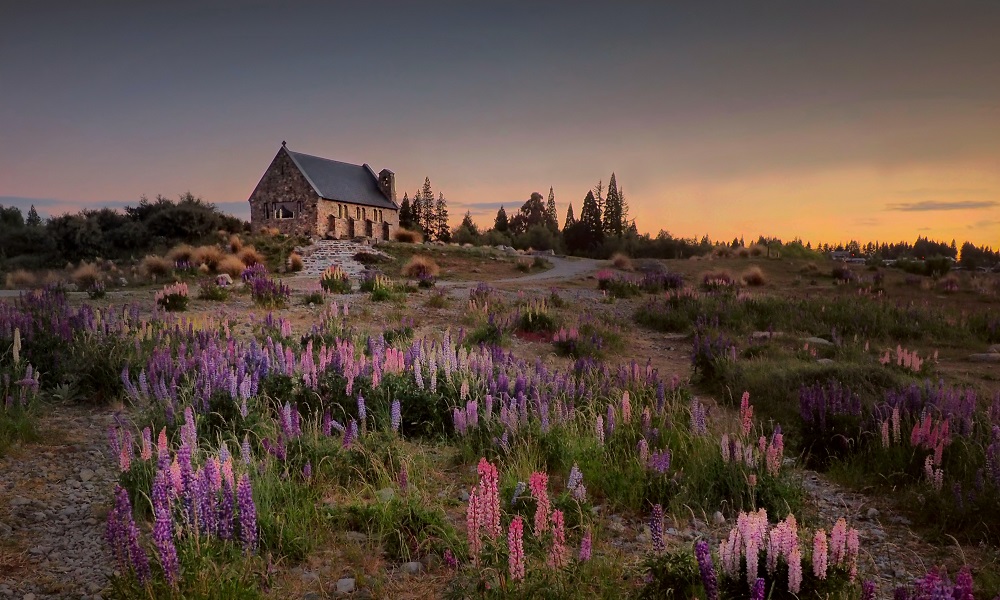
469,224
416,212
570,219
551,219
613,223
598,196
501,223
442,231
532,213
405,213
428,216
34,220
590,217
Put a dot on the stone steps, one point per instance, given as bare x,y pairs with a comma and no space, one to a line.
326,253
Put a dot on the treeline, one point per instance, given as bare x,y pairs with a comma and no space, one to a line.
31,243
968,255
426,214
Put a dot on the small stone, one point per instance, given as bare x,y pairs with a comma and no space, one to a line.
356,536
991,357
29,596
311,596
345,585
872,513
825,361
413,567
386,494
817,341
718,518
463,496
309,577
86,475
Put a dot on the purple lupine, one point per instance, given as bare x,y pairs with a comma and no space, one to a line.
586,546
609,422
307,471
226,513
404,478
327,424
248,514
350,433
708,578
395,416
122,535
206,503
659,460
656,529
245,453
163,540
963,585
868,590
757,593
362,412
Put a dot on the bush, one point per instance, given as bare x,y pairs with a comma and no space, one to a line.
249,255
209,289
181,253
407,236
173,298
335,280
86,275
718,280
295,263
156,266
268,293
235,243
842,273
523,264
21,279
421,267
96,290
210,256
754,277
369,258
231,265
315,298
622,262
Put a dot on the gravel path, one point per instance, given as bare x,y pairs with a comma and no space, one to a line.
53,498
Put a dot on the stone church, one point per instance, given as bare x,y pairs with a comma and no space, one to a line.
300,194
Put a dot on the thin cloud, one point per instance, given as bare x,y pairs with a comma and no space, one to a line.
938,192
933,205
984,224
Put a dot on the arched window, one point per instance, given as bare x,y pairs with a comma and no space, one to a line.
357,212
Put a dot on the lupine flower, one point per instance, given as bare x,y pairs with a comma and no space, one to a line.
707,569
626,407
656,529
868,590
963,585
746,414
403,478
585,546
599,428
643,448
122,535
449,559
248,514
819,558
307,471
698,423
838,542
559,553
853,547
489,485
473,524
163,540
515,549
395,416
795,571
538,484
757,593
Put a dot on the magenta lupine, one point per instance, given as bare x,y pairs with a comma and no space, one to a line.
538,484
489,489
515,549
559,553
403,478
868,590
473,524
708,578
757,593
963,585
248,514
656,529
307,471
586,544
746,414
449,559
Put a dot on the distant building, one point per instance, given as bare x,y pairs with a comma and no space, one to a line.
308,195
843,255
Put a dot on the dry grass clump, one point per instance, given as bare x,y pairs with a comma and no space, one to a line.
235,243
809,269
421,267
722,252
21,279
949,283
743,252
757,250
207,255
622,262
407,236
295,263
754,277
51,278
156,266
231,265
250,256
181,252
86,275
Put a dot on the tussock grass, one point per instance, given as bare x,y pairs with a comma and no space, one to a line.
407,236
207,255
21,279
86,275
156,266
295,263
754,277
421,266
622,262
181,252
250,256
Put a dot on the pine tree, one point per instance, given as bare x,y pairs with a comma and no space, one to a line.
428,215
570,219
469,224
552,220
598,196
501,223
624,210
34,220
590,217
613,223
441,229
416,211
405,213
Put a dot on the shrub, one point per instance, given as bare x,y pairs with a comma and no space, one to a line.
622,262
382,288
268,293
21,279
523,264
369,258
250,256
209,289
718,280
207,255
335,280
438,300
86,275
181,253
173,298
420,267
842,273
407,236
295,263
235,243
96,290
950,283
156,266
535,317
754,277
540,263
315,298
231,265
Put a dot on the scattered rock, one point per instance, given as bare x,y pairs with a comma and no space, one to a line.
86,475
463,495
413,567
309,577
824,361
718,518
386,494
356,536
994,349
872,514
817,341
990,357
346,585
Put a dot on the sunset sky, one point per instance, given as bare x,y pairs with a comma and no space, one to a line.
826,121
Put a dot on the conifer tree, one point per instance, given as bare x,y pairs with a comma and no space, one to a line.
405,213
441,229
551,219
428,216
570,219
34,220
501,223
416,211
613,223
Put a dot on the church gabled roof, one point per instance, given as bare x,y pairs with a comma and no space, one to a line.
340,181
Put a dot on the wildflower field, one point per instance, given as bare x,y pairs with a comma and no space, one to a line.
668,434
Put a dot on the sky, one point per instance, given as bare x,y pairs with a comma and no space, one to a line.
826,121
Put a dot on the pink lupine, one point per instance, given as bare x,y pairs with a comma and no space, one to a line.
725,448
626,407
538,484
775,454
643,448
746,414
896,437
795,571
853,547
489,482
515,549
819,558
599,429
838,542
585,546
472,525
162,449
559,553
147,444
885,433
